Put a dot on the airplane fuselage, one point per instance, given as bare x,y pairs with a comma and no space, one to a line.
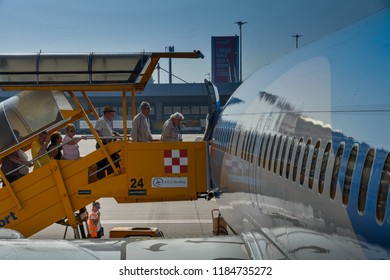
301,150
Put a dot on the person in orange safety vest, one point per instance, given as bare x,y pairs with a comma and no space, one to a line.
94,226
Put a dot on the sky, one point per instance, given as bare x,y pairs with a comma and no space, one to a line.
53,26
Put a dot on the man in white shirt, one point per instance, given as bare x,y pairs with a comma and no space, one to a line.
140,131
103,129
102,125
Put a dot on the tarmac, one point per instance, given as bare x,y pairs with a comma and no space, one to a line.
173,219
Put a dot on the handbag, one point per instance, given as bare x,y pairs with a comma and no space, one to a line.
23,170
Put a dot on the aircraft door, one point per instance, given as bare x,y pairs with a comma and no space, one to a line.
214,108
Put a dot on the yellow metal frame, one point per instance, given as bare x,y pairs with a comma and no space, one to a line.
62,187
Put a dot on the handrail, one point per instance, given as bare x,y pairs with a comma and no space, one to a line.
40,156
62,144
59,146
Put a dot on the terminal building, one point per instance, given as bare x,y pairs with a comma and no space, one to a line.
165,99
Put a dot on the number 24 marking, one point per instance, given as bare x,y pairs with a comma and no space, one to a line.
136,183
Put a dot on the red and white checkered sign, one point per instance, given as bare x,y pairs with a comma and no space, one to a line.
175,161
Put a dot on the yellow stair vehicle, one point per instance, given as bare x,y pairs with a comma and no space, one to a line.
147,172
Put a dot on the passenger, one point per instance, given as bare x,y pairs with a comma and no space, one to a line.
71,148
9,163
102,125
94,226
39,148
23,158
14,161
103,129
170,130
140,131
55,140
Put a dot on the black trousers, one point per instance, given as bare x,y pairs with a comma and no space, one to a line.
11,178
105,166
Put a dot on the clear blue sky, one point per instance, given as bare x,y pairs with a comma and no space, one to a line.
152,25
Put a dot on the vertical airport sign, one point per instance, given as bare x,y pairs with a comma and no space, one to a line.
225,59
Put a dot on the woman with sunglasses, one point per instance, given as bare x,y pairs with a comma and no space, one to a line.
71,148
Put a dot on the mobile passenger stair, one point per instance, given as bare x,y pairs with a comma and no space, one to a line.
55,192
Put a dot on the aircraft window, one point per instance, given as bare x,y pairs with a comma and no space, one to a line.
324,164
247,146
250,144
265,151
383,191
348,175
304,161
254,145
283,156
290,154
238,138
230,138
248,140
231,134
260,150
255,136
313,164
335,172
243,144
277,153
246,136
271,152
365,179
296,159
227,139
223,135
224,138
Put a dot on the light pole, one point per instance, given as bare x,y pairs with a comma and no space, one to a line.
296,36
240,24
170,49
